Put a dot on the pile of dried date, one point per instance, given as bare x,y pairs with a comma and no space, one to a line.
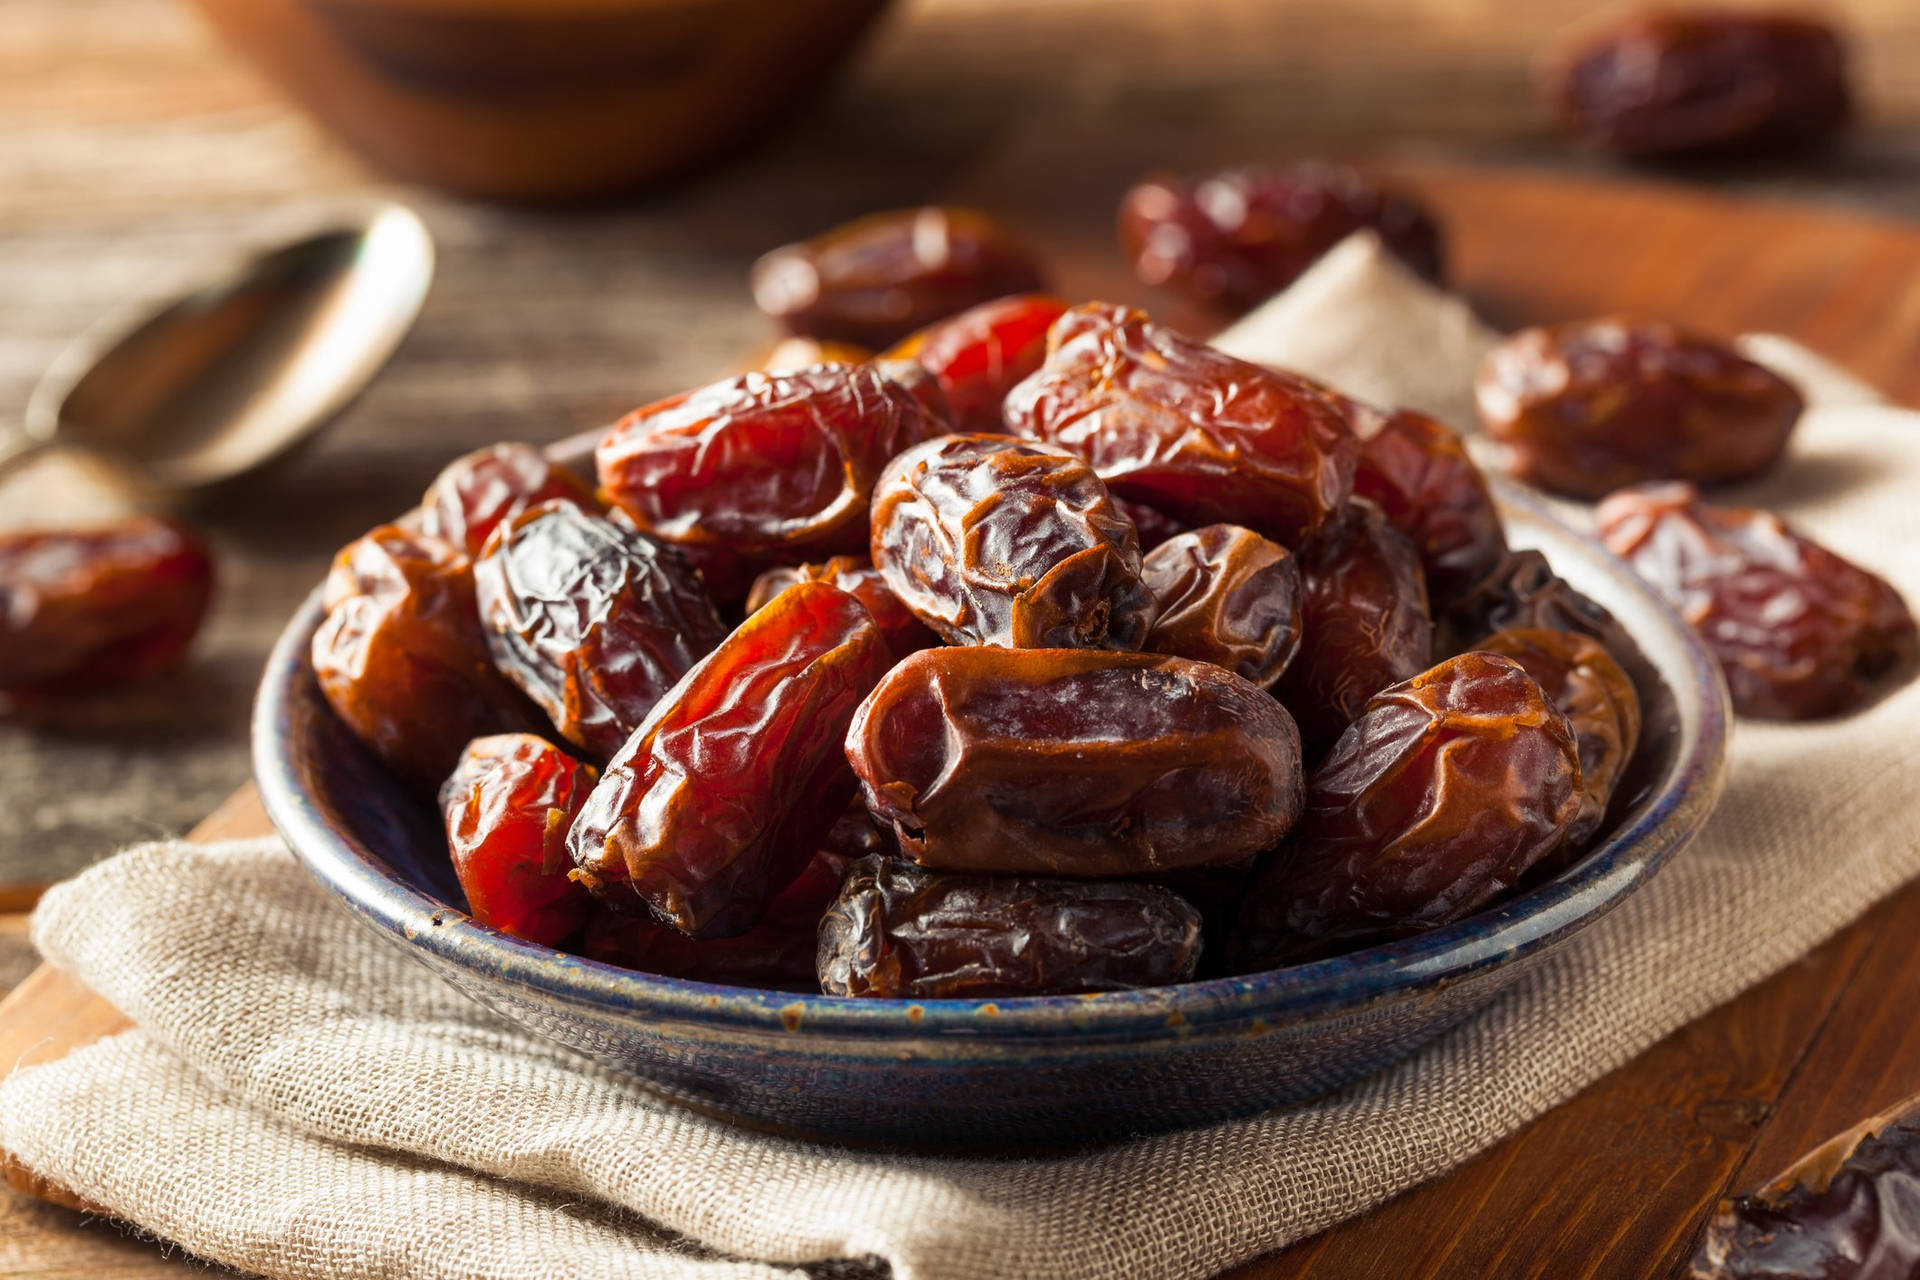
1032,652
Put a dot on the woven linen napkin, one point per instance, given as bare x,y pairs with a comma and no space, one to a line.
303,1100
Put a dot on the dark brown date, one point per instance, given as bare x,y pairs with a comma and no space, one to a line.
1597,697
718,801
1074,762
1682,82
468,499
1588,407
876,279
85,608
1799,632
1419,474
978,355
1437,800
1227,596
1196,433
507,806
1233,238
591,618
991,540
899,932
1523,591
1364,623
762,469
853,575
1153,525
401,656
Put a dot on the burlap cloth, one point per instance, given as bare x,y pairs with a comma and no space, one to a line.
302,1100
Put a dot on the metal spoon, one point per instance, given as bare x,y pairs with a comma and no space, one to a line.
241,368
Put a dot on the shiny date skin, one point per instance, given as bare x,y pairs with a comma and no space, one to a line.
1226,596
899,932
992,540
1444,792
761,469
473,494
852,574
1799,632
1186,429
1074,762
876,279
1588,407
1419,474
1233,238
1523,591
592,619
88,608
507,806
721,797
979,355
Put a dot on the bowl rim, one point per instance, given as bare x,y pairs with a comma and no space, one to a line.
1663,822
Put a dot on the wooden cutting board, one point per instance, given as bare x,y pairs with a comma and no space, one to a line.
1617,1182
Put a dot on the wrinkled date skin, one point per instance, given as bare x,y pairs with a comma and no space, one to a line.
899,932
1075,762
978,355
85,608
1196,433
1364,623
401,656
1227,596
859,579
1523,591
915,379
507,806
1586,408
591,619
876,279
1799,632
1419,475
1685,82
762,469
1437,800
991,540
1234,238
470,498
1596,696
718,801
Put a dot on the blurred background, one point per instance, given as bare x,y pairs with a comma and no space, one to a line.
138,142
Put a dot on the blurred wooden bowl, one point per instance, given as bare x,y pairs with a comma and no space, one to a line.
543,100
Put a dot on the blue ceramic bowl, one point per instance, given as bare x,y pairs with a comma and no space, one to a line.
1022,1071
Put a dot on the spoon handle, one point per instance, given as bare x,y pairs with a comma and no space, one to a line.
18,448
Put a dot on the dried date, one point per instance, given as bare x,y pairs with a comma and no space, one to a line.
1799,632
991,540
1196,433
1227,596
896,931
1419,474
1523,591
1153,525
853,575
979,355
717,801
468,499
1074,762
1586,408
507,807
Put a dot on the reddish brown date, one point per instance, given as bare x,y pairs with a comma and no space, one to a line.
991,540
918,382
1799,632
1153,525
1074,762
717,802
1196,433
401,656
978,355
1233,238
1437,800
1419,475
1588,407
1364,623
1678,82
1596,696
899,932
853,575
762,469
84,608
1227,596
507,806
474,494
591,618
876,279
